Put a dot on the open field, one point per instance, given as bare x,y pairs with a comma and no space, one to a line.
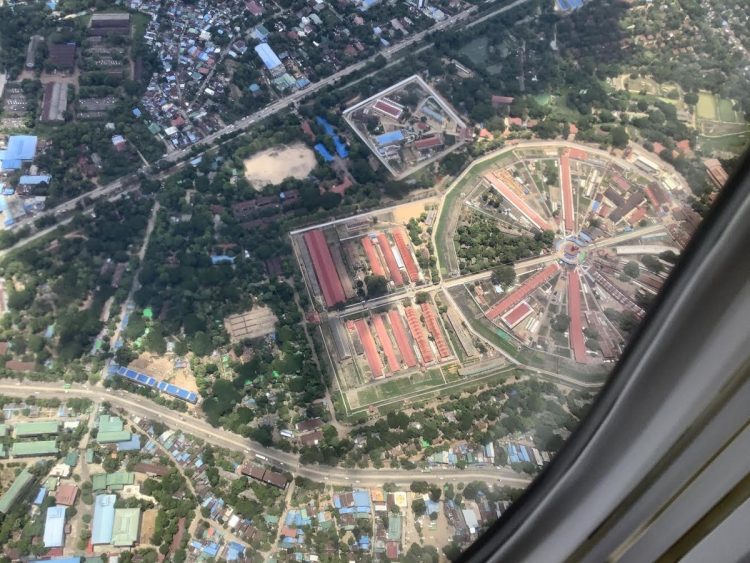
255,323
162,367
736,143
706,108
727,113
274,165
398,397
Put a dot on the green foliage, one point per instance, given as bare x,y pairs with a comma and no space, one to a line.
632,269
481,245
504,275
652,263
376,286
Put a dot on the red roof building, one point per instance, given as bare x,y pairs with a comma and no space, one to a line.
385,341
389,108
428,143
402,339
574,312
578,154
390,259
418,333
325,271
403,249
517,314
433,325
525,289
501,100
517,202
368,345
307,130
66,494
254,8
716,172
372,257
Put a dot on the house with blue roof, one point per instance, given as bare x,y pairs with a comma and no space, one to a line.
321,149
104,519
34,180
20,149
40,496
132,445
390,138
54,527
270,59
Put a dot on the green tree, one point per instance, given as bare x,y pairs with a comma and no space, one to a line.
619,137
632,269
419,507
376,286
504,276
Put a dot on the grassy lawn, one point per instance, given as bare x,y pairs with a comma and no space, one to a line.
726,111
476,51
543,99
706,107
399,388
732,143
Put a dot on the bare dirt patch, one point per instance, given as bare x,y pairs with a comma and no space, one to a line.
274,165
148,525
255,323
414,209
162,367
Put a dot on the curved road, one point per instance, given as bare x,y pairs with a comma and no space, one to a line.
135,405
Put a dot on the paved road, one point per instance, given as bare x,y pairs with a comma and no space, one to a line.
208,142
135,405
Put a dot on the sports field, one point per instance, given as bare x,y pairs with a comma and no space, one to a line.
413,386
732,143
716,108
706,106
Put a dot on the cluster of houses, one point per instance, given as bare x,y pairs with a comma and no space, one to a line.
189,48
22,185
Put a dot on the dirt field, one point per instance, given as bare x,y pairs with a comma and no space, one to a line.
272,166
403,213
148,524
257,322
163,368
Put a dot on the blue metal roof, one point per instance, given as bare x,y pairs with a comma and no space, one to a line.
389,138
132,445
267,55
323,151
40,495
148,381
21,147
104,519
54,527
34,180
